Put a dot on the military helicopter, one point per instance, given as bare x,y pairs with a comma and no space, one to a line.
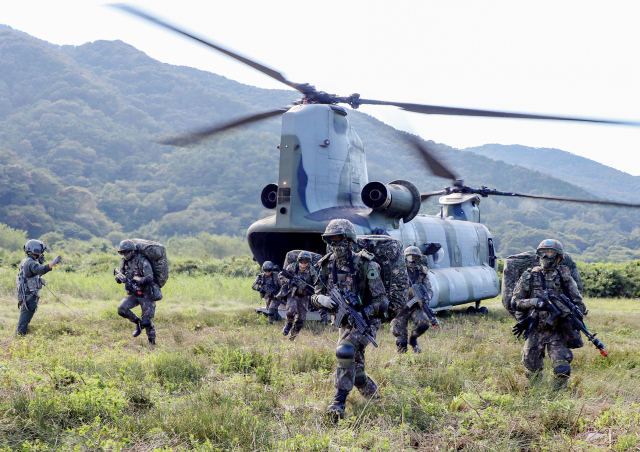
323,175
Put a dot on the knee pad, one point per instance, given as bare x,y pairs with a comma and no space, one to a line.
147,323
346,354
361,380
562,371
421,328
122,312
299,325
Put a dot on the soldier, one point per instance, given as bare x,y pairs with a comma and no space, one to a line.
528,298
268,285
298,296
358,274
399,326
29,281
137,275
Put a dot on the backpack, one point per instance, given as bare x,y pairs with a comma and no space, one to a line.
156,254
515,266
388,252
292,258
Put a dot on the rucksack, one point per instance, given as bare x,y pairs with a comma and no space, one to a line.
388,252
292,257
156,254
515,266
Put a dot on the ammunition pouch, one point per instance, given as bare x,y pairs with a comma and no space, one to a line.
33,284
155,291
573,337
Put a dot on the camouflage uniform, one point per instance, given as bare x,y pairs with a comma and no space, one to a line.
31,269
139,266
400,325
528,291
297,298
366,283
270,299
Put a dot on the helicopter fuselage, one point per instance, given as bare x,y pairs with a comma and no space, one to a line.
322,175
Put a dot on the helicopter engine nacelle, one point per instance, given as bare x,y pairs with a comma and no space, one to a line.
269,196
398,199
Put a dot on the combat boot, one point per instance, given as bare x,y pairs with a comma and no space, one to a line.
335,411
152,340
401,346
287,328
561,376
296,330
413,341
138,329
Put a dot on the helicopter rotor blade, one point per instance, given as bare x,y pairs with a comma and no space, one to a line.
425,196
490,192
303,88
187,139
435,165
454,111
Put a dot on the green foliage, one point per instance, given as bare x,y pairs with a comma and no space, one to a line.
78,162
611,279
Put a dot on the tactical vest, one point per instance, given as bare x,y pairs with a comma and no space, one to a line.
359,272
31,285
135,266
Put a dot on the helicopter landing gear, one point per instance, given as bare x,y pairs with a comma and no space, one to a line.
477,309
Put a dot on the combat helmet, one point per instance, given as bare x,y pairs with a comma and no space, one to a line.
126,245
304,256
412,254
550,244
35,247
267,266
340,226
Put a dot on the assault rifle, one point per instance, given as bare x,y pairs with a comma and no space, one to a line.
562,305
129,284
422,295
559,306
266,288
346,307
296,280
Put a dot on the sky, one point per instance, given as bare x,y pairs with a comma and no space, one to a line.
569,58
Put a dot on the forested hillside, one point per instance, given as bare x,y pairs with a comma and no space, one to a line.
594,177
77,160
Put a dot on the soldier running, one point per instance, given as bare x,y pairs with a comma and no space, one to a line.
268,285
297,297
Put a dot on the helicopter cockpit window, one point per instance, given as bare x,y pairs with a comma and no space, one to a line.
339,124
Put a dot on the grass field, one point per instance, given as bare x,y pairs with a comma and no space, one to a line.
222,378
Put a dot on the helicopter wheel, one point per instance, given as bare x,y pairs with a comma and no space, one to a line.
471,310
483,310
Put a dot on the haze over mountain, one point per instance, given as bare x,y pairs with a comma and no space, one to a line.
77,160
596,178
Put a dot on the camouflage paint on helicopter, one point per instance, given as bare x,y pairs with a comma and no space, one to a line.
323,176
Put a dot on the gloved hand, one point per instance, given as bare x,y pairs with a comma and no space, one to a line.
326,301
57,260
369,310
540,304
120,278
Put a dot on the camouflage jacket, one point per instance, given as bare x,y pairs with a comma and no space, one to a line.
419,275
262,279
362,279
138,266
529,289
308,276
30,269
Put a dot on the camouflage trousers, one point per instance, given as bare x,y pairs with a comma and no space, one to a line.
272,303
555,344
297,307
351,370
400,325
148,307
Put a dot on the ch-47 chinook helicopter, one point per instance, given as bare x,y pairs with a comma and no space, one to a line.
323,175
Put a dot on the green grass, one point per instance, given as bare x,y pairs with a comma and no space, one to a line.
222,378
